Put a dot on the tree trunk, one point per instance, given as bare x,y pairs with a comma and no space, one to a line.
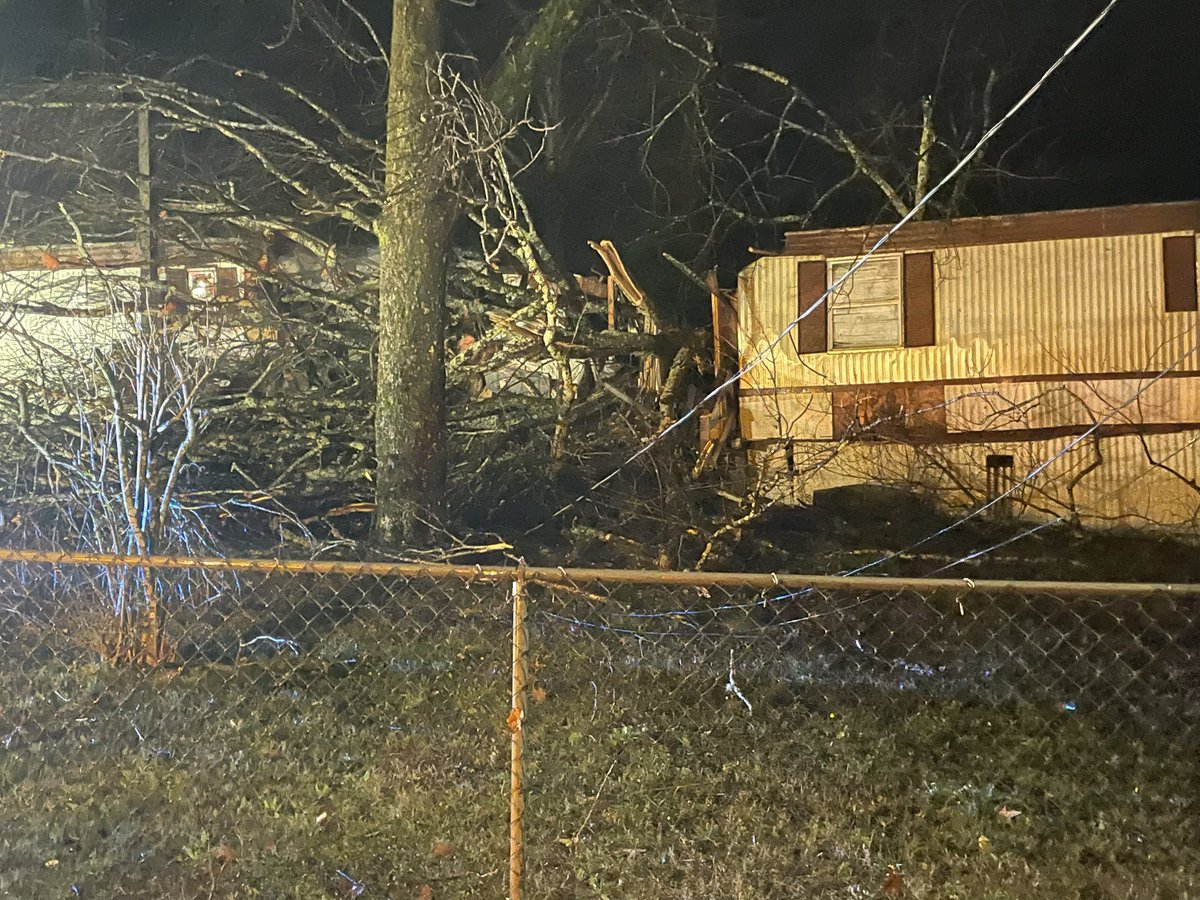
413,230
95,17
556,24
414,233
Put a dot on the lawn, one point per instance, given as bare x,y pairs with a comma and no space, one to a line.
373,762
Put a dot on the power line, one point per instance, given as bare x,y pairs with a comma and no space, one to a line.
1035,471
920,204
1012,539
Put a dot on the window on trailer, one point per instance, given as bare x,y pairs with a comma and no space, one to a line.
202,283
866,311
217,281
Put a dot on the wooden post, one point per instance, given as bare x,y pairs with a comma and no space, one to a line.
612,302
516,724
149,246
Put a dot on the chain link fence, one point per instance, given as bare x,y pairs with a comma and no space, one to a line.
238,728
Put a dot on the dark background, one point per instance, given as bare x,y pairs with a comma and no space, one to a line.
1116,125
1119,121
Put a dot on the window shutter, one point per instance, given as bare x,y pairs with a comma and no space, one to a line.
811,334
918,300
227,281
1179,273
177,278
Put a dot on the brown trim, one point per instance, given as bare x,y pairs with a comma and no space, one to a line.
1015,436
1149,218
1179,273
104,256
725,332
812,331
918,300
118,255
1069,377
899,411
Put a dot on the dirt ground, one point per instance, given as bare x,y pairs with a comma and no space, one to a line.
886,531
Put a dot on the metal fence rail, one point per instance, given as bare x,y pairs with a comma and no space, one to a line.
183,727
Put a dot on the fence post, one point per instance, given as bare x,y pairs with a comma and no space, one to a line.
516,725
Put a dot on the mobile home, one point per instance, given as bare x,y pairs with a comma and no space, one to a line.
1046,364
61,304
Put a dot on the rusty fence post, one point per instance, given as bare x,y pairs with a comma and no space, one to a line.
516,726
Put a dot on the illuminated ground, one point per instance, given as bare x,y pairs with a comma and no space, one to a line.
270,778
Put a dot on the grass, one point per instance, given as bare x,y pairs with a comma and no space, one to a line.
317,776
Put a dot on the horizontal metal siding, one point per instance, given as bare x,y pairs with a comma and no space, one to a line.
1039,308
45,345
1091,305
1127,488
1048,404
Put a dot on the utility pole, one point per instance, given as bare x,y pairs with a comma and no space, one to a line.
147,245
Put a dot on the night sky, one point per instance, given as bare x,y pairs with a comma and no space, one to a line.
1117,125
1126,111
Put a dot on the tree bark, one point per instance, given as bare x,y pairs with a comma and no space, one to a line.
557,23
413,231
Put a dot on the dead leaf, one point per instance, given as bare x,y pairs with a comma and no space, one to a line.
442,849
1007,815
893,885
425,893
224,854
985,845
538,694
350,887
514,720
